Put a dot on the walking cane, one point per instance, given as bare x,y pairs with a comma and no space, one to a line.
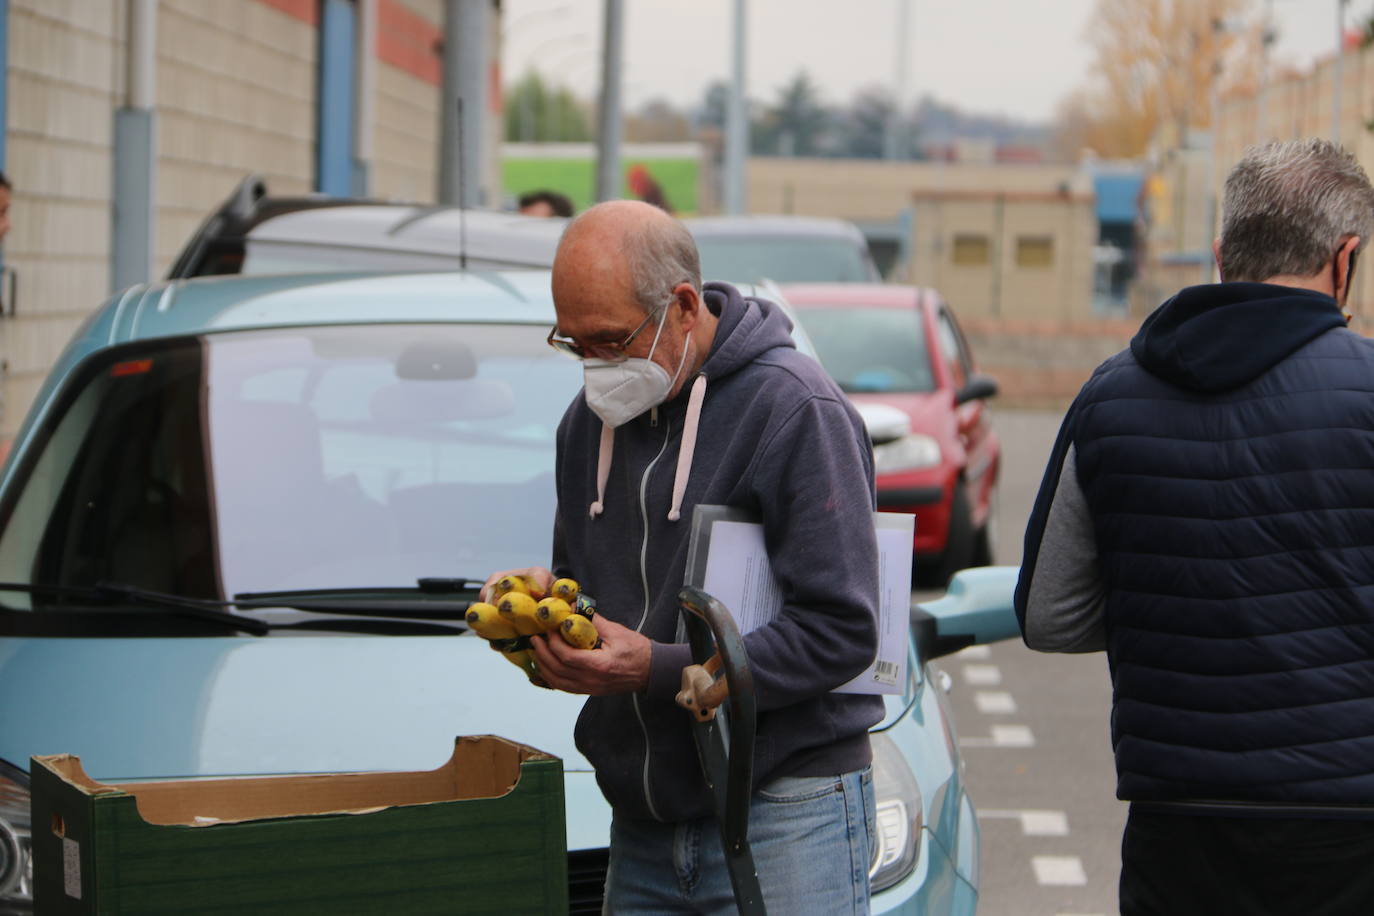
728,776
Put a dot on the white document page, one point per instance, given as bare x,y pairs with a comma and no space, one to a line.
738,575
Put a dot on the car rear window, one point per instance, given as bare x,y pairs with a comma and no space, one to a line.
871,349
784,259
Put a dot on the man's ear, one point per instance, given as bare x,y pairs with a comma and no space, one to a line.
1216,255
687,299
1345,267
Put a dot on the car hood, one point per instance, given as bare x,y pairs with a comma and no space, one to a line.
928,410
175,708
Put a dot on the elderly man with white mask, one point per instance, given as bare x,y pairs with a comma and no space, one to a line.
695,395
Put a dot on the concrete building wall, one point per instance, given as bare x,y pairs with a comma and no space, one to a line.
940,204
235,93
863,189
1006,255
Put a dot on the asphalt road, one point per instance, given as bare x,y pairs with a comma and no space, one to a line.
1034,735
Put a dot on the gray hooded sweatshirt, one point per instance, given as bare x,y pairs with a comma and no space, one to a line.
768,432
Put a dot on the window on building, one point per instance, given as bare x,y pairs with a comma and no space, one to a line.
972,250
1034,251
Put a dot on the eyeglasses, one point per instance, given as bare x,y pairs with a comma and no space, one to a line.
614,353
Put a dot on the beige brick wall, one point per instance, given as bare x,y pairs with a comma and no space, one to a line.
405,137
235,94
62,86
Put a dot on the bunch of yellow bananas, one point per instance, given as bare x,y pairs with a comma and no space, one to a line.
520,612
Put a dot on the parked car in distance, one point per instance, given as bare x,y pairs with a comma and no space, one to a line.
255,233
244,517
784,249
898,352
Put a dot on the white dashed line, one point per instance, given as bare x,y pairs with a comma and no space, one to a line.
983,675
1002,736
994,702
1063,871
1033,823
976,653
1044,823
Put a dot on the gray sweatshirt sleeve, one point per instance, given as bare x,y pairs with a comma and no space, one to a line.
1066,603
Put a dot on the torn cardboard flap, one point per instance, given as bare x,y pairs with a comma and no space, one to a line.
482,766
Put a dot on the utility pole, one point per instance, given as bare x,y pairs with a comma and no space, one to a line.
1337,74
895,147
736,123
609,128
135,152
1267,36
467,32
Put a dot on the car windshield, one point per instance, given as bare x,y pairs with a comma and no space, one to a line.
871,349
348,456
784,258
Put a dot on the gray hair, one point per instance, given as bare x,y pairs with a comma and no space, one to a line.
660,257
1289,207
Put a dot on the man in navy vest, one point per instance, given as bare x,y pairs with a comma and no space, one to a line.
1207,519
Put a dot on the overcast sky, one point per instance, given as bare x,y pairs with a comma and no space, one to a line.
1011,57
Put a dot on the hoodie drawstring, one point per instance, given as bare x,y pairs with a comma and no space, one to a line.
603,468
688,446
686,451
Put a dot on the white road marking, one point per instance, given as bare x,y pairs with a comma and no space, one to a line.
976,653
1044,823
1033,823
1002,736
1063,871
994,702
983,675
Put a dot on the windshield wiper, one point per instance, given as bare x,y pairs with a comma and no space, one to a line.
116,596
385,601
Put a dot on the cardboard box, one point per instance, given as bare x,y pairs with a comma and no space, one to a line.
482,834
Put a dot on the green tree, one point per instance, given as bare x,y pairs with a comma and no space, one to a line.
798,123
537,112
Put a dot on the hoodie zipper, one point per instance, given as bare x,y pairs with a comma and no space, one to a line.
644,615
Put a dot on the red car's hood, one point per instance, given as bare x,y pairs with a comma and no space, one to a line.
929,411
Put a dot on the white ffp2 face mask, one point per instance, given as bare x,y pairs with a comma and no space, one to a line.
617,392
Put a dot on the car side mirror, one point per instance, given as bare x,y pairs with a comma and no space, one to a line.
977,608
977,387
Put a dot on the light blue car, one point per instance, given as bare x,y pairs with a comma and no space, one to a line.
242,521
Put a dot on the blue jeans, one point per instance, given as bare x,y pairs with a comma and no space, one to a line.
811,837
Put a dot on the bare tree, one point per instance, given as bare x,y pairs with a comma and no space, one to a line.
1155,64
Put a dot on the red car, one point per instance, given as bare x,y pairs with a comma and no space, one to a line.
897,351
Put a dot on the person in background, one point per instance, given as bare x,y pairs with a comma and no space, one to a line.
1207,519
6,189
673,369
545,203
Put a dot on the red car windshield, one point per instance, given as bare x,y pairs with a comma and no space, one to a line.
871,349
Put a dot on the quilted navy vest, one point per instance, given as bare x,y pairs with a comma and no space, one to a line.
1235,530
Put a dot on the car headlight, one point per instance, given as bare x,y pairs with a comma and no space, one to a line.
16,858
909,453
897,799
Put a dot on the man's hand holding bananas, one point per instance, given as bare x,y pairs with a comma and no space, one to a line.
553,627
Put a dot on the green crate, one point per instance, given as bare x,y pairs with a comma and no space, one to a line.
482,834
